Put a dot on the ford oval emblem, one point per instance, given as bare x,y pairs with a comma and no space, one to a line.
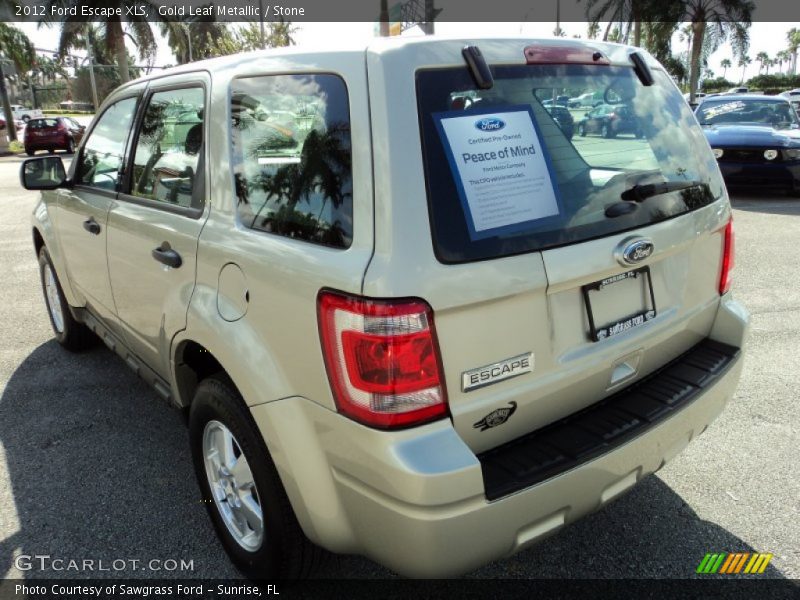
635,251
490,124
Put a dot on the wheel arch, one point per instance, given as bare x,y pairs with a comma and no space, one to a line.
193,361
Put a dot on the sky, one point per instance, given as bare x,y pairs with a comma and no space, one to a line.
768,37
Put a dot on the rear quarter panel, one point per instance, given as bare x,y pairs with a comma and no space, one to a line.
273,351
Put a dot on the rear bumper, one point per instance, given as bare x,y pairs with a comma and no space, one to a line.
416,500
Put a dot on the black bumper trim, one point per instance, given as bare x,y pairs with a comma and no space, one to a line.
606,425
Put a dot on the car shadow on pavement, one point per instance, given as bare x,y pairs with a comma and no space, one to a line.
99,469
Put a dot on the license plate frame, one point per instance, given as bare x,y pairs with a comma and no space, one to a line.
596,333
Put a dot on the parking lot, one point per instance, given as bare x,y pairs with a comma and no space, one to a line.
94,466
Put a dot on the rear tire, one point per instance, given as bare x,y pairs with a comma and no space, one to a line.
30,152
70,333
582,130
238,511
70,146
606,132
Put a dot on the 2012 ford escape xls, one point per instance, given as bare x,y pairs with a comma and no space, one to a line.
409,315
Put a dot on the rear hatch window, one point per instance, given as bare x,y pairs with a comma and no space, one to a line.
42,123
520,168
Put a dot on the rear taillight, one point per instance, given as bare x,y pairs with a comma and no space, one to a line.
727,258
382,359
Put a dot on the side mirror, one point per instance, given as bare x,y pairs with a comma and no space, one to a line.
45,173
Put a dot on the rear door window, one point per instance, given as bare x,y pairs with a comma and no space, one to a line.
42,123
505,204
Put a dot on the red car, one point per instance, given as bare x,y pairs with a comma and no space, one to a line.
20,125
52,133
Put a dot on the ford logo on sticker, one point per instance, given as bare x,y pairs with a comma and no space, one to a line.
490,124
637,251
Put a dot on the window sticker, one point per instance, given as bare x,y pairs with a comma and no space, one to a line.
502,172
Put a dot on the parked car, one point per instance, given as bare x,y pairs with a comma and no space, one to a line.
564,118
51,134
589,99
25,114
609,120
559,101
756,140
698,96
384,328
737,90
18,124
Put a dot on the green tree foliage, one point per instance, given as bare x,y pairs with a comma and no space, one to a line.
15,46
245,39
197,39
110,33
793,43
725,64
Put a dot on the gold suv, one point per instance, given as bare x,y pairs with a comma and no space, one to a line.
410,315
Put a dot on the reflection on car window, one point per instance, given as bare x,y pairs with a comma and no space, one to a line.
42,123
603,132
747,111
291,157
103,152
168,148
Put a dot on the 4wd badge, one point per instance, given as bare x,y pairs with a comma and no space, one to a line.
496,417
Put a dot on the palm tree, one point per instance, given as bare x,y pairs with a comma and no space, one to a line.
192,40
780,58
712,23
112,32
657,37
624,11
744,60
593,30
15,46
793,38
725,64
763,59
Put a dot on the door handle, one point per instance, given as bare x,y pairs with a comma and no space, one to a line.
166,255
92,226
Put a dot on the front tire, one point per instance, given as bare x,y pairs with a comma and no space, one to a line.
241,488
70,146
71,334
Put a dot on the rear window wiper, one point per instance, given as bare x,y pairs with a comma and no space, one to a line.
640,193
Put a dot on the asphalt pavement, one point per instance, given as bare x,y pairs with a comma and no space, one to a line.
93,465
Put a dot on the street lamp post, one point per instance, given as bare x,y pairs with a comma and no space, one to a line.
91,77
